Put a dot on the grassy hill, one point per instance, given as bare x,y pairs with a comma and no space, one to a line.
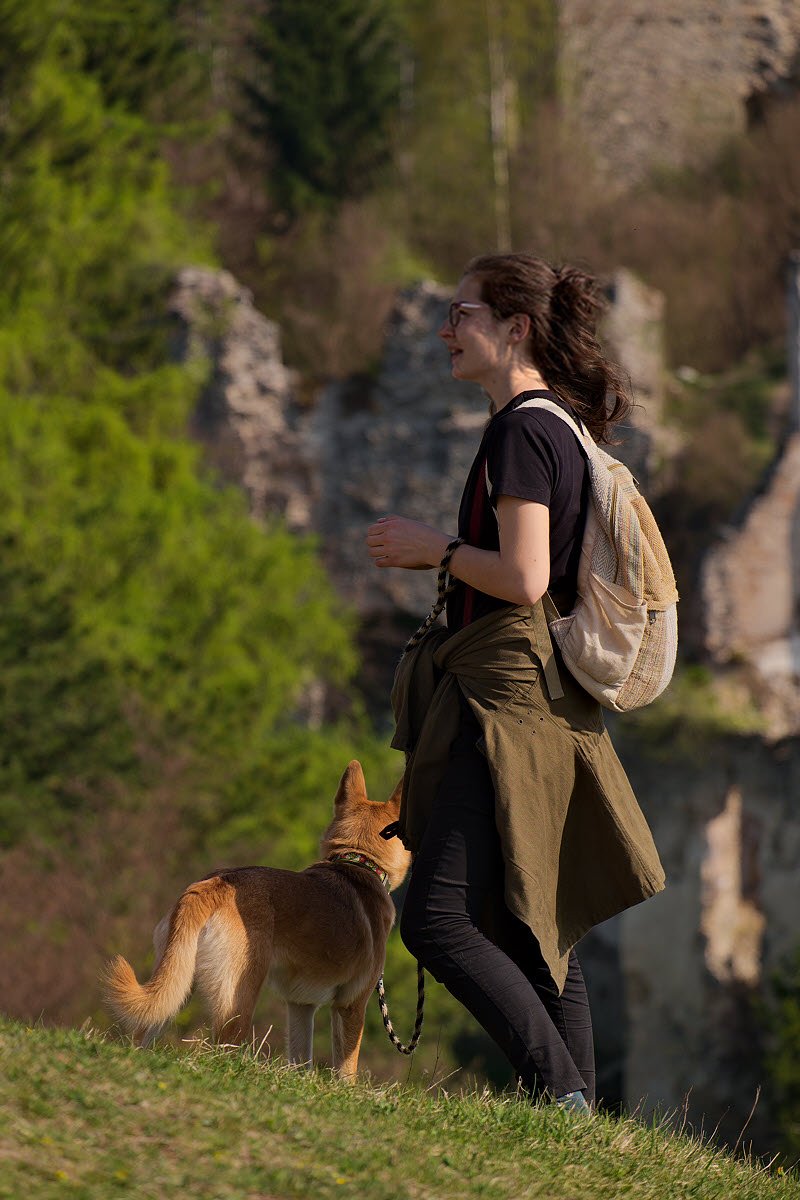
85,1117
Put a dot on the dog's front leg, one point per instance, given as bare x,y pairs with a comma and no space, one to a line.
347,1028
301,1033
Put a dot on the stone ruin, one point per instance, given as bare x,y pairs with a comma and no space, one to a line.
400,442
665,85
247,419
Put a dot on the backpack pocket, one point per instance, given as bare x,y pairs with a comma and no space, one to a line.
602,636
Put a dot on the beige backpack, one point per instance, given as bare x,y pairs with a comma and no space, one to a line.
621,639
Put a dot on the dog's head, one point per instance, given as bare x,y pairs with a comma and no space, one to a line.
357,825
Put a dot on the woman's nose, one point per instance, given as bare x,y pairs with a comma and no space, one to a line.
445,330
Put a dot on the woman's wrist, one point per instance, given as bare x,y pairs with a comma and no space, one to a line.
439,544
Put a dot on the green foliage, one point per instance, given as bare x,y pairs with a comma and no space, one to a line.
323,87
781,1018
130,580
745,390
356,234
144,615
727,423
90,233
692,712
143,53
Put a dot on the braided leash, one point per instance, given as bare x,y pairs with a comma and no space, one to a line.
444,585
393,1038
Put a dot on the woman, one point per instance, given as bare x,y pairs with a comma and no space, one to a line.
523,825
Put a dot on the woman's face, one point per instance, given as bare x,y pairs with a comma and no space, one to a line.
477,345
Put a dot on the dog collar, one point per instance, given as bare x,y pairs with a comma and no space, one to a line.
361,860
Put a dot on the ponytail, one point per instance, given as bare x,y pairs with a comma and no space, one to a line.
564,305
573,362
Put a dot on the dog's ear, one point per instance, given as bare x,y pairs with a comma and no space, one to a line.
351,786
397,795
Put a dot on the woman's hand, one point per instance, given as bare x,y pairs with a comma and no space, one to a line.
398,542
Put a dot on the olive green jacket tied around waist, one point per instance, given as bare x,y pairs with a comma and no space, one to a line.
576,846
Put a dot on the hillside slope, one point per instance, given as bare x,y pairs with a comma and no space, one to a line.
90,1118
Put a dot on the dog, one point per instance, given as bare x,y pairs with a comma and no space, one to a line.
318,936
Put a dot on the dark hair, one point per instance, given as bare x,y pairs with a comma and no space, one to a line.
564,305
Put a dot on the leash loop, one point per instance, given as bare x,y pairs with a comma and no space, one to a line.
393,1038
444,585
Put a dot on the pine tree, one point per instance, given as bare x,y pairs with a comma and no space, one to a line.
322,88
144,54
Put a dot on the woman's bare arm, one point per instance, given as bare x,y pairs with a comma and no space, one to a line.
519,572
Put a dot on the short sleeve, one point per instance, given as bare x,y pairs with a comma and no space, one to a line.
520,460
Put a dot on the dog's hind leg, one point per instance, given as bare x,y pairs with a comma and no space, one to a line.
145,1037
300,1050
234,1022
231,967
347,1029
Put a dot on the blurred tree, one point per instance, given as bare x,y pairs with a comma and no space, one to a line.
141,607
90,232
323,87
475,77
137,595
145,54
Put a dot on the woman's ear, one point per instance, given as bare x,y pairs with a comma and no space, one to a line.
519,327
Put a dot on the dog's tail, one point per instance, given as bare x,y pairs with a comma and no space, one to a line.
146,1006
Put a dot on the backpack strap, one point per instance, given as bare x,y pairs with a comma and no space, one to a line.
574,423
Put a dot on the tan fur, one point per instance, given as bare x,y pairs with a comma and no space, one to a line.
318,936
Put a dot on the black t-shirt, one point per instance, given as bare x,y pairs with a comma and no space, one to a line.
531,454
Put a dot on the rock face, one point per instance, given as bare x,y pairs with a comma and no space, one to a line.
402,443
633,331
751,592
247,417
664,85
684,969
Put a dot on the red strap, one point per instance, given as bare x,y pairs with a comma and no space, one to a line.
474,533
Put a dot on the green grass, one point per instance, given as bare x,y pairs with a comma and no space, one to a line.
81,1116
695,710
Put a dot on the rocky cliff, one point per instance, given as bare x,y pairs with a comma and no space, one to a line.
750,581
685,970
247,418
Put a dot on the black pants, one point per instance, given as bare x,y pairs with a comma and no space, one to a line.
456,923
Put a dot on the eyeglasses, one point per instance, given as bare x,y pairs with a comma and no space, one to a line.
455,311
